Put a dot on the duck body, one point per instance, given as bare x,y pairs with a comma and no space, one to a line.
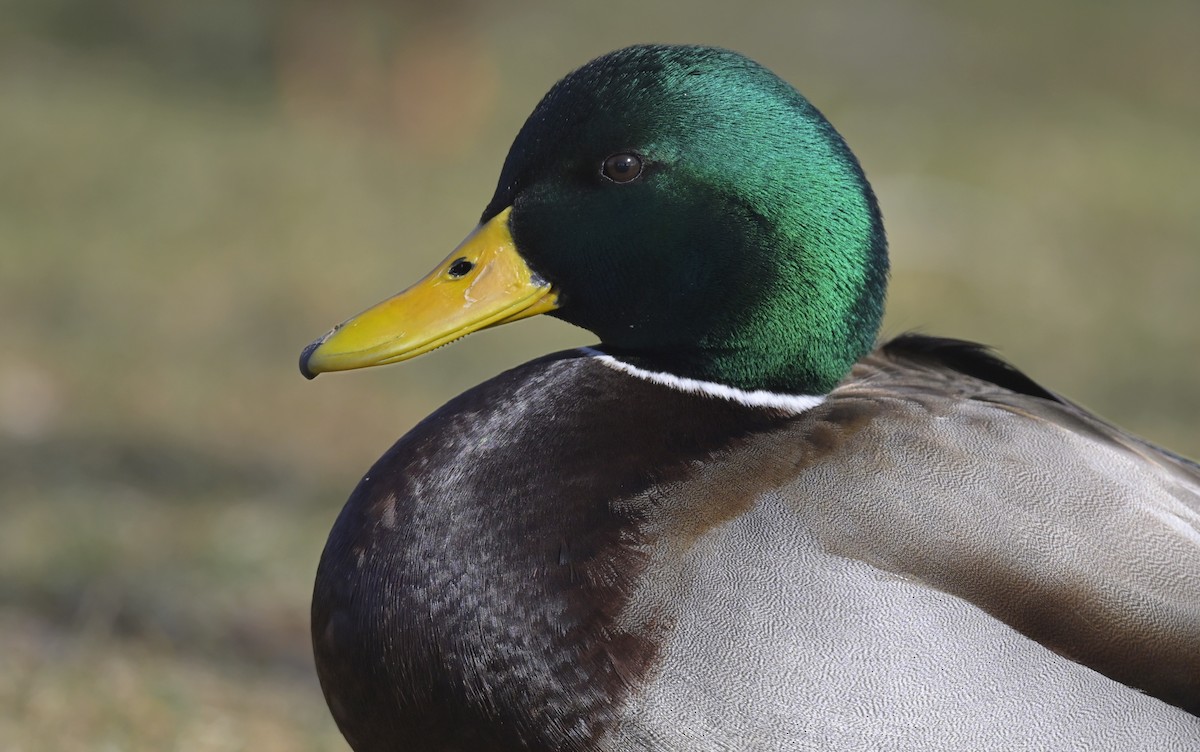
722,579
736,524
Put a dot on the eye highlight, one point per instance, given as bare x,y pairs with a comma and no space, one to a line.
622,168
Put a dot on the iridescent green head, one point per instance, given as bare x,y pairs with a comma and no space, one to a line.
697,214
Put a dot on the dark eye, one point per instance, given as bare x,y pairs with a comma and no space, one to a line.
460,267
622,168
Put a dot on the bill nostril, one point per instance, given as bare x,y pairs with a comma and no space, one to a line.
460,268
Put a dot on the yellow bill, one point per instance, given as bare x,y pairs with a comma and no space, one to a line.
484,282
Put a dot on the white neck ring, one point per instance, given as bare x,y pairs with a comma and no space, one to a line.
791,403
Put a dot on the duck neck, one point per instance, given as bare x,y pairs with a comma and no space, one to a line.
797,333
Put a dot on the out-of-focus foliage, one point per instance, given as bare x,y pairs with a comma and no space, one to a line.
190,192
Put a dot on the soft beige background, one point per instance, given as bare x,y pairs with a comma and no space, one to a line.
190,192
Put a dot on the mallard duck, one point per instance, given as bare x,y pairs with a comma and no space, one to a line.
736,523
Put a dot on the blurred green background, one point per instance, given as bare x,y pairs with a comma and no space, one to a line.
190,192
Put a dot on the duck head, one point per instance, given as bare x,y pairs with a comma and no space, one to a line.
684,204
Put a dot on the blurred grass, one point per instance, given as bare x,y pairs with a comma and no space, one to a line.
189,193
